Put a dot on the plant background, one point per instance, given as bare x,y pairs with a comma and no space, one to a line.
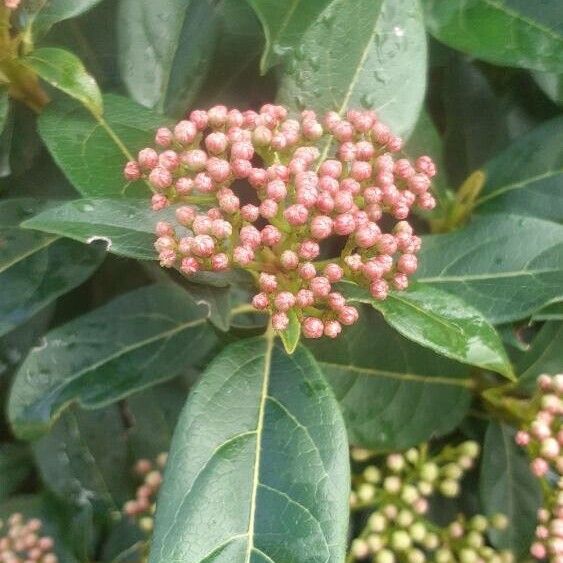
101,359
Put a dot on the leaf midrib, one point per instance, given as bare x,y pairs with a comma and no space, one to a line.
46,243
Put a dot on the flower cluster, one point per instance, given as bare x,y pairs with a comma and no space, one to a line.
12,4
23,542
143,506
398,492
275,202
543,439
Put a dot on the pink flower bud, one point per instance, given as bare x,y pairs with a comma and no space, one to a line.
229,202
218,169
132,171
394,144
307,196
276,190
307,271
279,142
202,225
348,315
426,165
203,183
257,177
372,270
164,229
260,301
361,170
379,289
426,201
261,136
167,258
242,150
159,201
270,235
333,272
164,137
538,551
332,168
545,382
216,142
249,212
344,224
220,262
184,186
199,119
325,202
343,131
289,260
250,236
549,448
195,160
419,183
336,301
365,150
189,265
169,160
321,227
268,208
312,327
234,118
320,286
284,301
400,211
280,321
267,282
217,116
306,180
354,262
221,229
185,132
373,195
241,168
332,329
400,281
347,152
203,246
304,298
407,264
148,158
296,214
540,430
243,255
331,118
308,250
539,467
367,235
380,133
160,178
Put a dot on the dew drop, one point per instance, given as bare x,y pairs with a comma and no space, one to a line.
86,207
97,238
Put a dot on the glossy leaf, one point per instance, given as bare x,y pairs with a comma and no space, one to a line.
551,312
503,32
290,336
507,486
545,355
136,340
526,178
126,226
84,458
165,50
15,468
393,393
437,320
506,266
65,71
375,59
92,152
258,468
36,268
551,84
284,25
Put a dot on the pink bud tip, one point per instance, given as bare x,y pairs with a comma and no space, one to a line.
312,327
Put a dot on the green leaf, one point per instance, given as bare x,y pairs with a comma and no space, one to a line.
442,322
545,355
126,226
393,393
551,84
506,266
15,468
65,71
376,59
36,268
50,12
526,178
84,458
258,468
503,32
290,336
507,486
4,108
551,312
92,152
284,25
135,341
165,50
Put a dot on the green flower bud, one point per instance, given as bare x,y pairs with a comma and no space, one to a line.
425,488
359,548
395,462
431,541
377,522
499,521
372,474
467,555
385,556
366,492
418,532
375,543
449,488
353,499
392,484
146,524
452,471
415,556
470,448
409,494
507,556
360,454
479,523
474,539
405,518
466,462
400,540
391,511
429,472
412,455
443,556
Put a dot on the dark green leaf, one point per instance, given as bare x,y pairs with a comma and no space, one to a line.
506,266
65,71
126,226
526,178
375,59
15,468
393,393
284,25
551,84
36,268
92,152
258,468
508,487
504,32
165,50
551,312
442,322
545,355
133,342
84,458
4,108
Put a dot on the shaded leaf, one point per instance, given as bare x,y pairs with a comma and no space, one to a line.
377,59
437,320
551,84
36,268
507,486
506,266
138,339
92,152
259,464
526,178
284,25
15,468
393,393
551,312
503,32
65,71
4,108
165,50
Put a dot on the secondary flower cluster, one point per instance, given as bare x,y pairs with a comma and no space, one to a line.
143,506
543,440
23,542
274,200
397,492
